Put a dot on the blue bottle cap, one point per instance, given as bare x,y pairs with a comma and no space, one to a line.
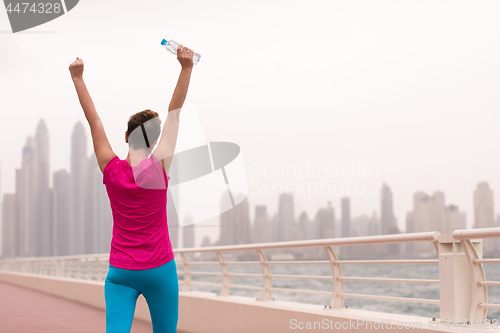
164,42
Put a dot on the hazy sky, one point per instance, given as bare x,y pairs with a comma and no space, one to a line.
407,88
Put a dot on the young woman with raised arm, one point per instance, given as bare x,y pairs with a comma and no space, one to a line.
141,259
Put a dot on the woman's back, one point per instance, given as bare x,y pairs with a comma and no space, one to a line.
138,198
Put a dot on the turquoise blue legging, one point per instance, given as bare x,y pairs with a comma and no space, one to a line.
158,285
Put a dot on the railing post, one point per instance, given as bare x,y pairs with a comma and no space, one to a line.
267,283
89,269
99,269
67,263
226,280
78,269
59,267
479,292
459,294
187,273
338,285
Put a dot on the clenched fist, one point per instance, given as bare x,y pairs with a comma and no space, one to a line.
185,57
76,69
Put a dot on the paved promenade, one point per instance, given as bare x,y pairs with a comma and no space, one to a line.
27,311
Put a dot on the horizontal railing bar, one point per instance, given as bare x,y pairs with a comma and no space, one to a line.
476,233
245,274
487,261
242,262
489,306
204,273
347,278
427,261
68,257
238,286
302,277
293,262
489,283
431,236
205,283
390,298
300,291
200,263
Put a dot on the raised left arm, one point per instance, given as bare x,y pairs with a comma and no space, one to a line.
103,151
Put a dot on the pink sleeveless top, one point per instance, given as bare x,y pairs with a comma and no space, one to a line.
139,205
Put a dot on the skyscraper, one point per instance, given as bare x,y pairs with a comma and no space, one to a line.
188,233
172,217
346,217
260,224
431,214
387,219
226,225
27,193
10,227
172,221
241,220
99,217
62,213
78,189
44,193
463,220
484,212
483,206
325,222
307,228
286,217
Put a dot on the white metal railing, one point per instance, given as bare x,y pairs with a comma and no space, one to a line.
89,267
465,272
478,283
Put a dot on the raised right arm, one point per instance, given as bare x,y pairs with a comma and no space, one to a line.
168,140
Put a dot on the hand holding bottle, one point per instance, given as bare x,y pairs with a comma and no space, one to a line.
185,57
172,46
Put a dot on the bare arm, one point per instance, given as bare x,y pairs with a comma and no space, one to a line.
103,151
168,140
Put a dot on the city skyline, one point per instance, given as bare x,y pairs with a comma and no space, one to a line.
88,179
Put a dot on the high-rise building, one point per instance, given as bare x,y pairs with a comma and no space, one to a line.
359,226
346,217
226,225
431,214
62,213
325,222
172,221
10,227
188,233
307,227
483,206
286,217
484,216
79,184
260,224
387,220
374,225
27,194
172,217
463,220
44,193
99,217
241,220
235,224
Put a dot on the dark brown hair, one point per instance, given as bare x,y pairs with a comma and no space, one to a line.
152,124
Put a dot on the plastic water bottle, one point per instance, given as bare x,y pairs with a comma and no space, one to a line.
172,46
